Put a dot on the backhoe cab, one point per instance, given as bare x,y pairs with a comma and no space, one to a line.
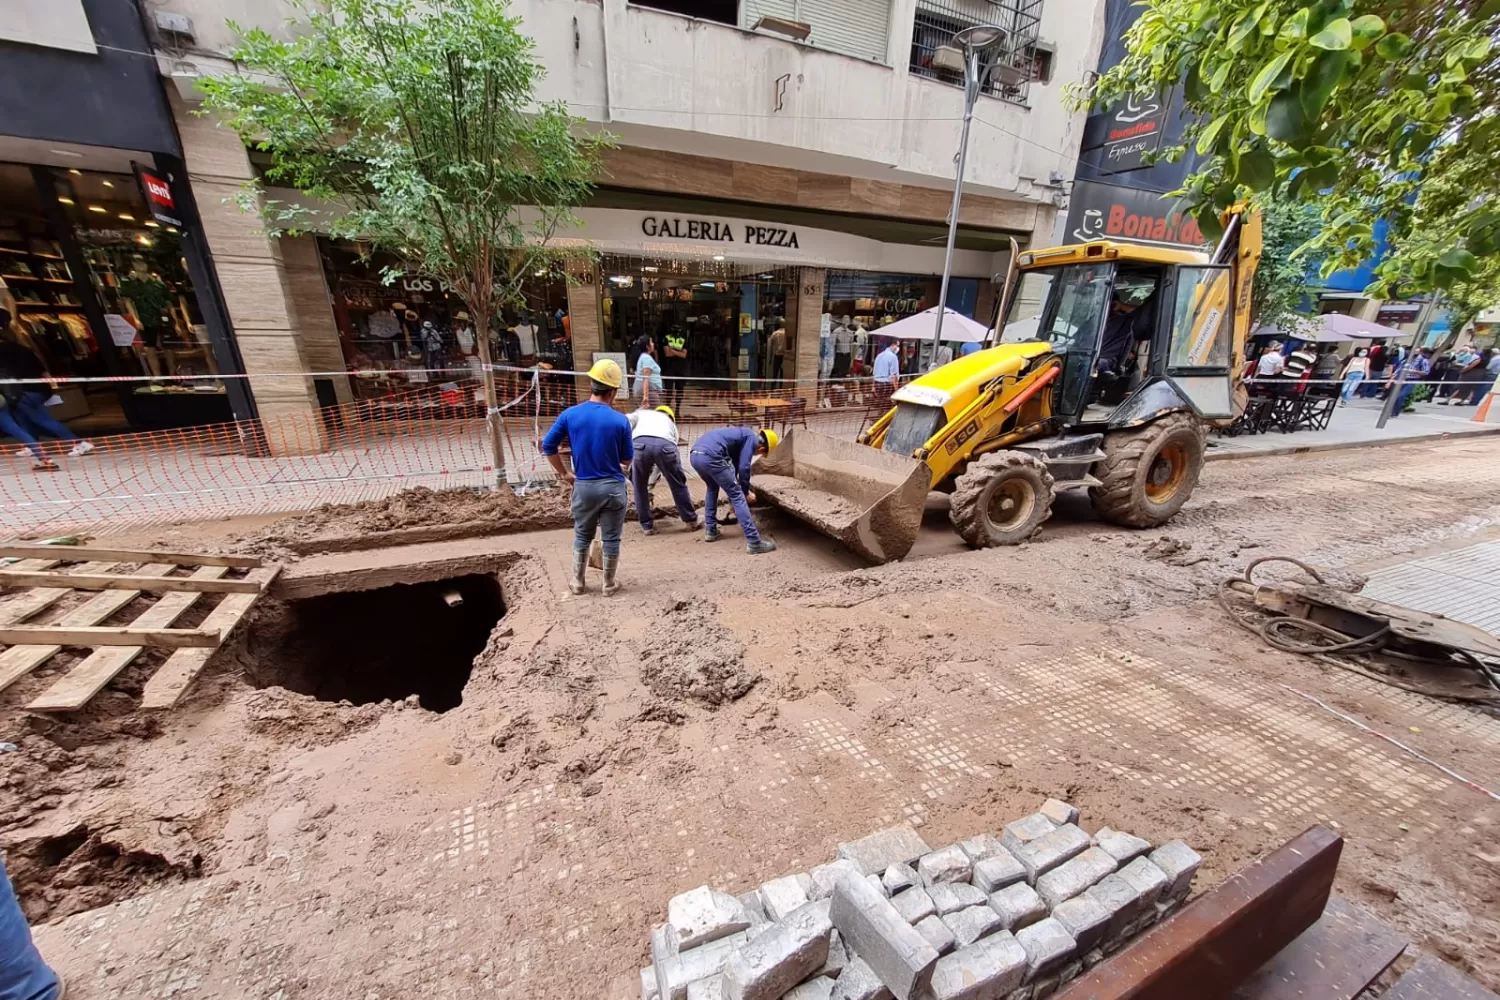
1113,359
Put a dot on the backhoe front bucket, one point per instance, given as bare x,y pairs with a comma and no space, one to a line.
868,499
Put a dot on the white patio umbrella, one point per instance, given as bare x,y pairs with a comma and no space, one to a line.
957,327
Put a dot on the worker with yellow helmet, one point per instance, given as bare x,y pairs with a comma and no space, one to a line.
722,458
599,438
655,434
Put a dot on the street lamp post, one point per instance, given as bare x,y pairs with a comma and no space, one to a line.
975,42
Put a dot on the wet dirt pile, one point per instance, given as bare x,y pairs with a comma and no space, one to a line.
691,657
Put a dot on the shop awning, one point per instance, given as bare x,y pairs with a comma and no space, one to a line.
957,328
1334,327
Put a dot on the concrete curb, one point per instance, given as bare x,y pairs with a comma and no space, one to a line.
1299,449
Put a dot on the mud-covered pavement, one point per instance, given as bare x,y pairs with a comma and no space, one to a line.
726,719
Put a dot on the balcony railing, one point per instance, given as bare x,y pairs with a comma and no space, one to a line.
1012,65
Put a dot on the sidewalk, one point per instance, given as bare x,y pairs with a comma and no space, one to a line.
1353,426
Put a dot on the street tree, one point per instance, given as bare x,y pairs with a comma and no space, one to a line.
413,128
1282,281
1359,106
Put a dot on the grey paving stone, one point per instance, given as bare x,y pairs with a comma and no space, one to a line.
1018,905
984,970
937,934
1179,863
879,934
950,897
877,885
1147,879
877,852
781,896
971,924
1072,877
677,972
649,989
1024,830
825,876
1046,852
1044,987
1048,946
950,864
1059,812
1123,847
1069,972
898,877
663,950
983,846
820,988
711,988
1083,918
752,904
838,957
996,872
913,905
1092,958
1120,900
859,982
793,949
703,914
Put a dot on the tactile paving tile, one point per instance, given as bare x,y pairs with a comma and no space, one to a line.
1463,584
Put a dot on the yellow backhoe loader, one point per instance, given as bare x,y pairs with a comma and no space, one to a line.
1112,362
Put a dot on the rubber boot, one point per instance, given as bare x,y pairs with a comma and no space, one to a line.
761,547
611,564
576,583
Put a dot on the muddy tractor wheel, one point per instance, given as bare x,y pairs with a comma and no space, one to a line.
1148,473
1001,499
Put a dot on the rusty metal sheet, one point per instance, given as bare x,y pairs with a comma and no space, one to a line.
1217,941
1334,959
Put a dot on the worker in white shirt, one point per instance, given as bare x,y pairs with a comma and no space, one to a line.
655,435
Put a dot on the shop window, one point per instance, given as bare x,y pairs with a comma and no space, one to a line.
723,11
857,304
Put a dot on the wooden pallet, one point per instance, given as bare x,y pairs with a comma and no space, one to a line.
114,647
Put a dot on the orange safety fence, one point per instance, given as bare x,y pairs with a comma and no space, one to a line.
431,434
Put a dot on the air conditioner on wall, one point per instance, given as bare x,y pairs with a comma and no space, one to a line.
948,57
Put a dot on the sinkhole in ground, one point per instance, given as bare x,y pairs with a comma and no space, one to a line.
386,644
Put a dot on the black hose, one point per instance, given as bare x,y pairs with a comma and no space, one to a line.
1272,630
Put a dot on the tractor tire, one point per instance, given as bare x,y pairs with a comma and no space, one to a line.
1148,473
1001,499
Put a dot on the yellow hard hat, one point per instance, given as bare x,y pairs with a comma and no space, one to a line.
772,438
664,408
606,372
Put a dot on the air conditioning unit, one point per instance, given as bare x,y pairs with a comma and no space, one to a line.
1008,75
176,28
948,57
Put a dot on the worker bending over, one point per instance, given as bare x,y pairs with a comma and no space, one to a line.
599,438
655,433
722,458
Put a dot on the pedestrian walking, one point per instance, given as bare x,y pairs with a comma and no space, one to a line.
23,407
1462,374
722,458
599,438
942,356
777,348
1485,377
887,371
655,436
648,383
23,973
1417,367
1355,372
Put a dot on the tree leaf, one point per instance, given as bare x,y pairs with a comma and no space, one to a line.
1267,75
1220,77
1209,133
1458,259
1393,46
1257,168
1285,120
1322,78
1336,36
1296,25
1193,88
1242,28
1367,29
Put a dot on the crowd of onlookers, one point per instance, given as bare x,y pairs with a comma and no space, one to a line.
1460,376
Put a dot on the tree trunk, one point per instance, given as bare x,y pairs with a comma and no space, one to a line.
491,399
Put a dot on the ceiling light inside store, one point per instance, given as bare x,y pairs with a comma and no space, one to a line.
705,284
66,152
64,201
768,275
72,170
649,269
152,224
144,241
718,256
99,208
108,184
127,216
171,229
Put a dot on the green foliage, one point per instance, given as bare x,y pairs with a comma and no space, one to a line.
1371,109
412,126
1281,281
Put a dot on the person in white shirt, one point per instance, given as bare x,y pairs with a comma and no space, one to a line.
526,334
941,356
654,433
843,347
1355,372
1271,362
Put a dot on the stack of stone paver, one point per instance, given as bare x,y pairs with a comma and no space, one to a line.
1007,918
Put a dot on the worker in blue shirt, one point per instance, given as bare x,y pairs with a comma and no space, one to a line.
23,974
722,458
599,437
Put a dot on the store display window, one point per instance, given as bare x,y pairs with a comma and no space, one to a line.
123,306
856,304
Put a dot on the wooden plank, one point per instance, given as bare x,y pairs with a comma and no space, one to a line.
1334,959
18,661
173,677
1432,979
108,635
102,665
1218,941
77,553
154,584
38,599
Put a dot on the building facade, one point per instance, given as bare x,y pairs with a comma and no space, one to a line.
777,163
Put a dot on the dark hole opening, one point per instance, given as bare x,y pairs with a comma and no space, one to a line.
387,644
